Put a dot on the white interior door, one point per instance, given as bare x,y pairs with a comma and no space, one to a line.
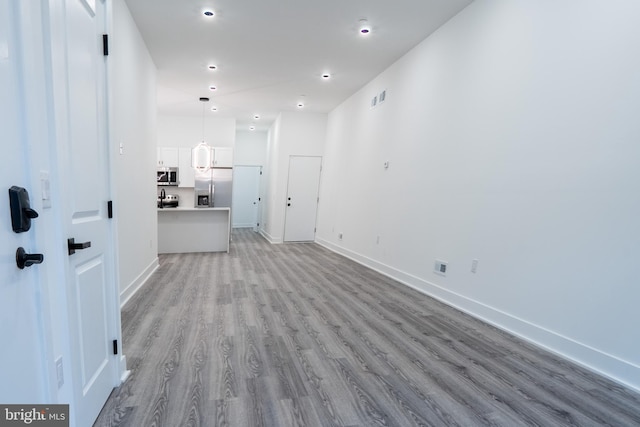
246,195
79,82
23,364
302,198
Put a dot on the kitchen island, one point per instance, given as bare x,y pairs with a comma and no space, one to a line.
193,230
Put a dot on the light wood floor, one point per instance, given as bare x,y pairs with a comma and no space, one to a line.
293,334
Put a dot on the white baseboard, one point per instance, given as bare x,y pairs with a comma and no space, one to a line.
133,287
124,372
610,366
269,237
243,225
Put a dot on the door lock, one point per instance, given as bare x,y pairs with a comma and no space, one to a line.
21,212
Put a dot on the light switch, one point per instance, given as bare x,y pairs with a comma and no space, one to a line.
45,185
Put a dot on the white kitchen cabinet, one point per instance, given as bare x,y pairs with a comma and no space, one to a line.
182,230
222,157
168,157
186,173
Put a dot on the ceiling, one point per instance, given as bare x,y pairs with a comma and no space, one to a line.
271,54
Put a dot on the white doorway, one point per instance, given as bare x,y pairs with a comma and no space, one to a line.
246,197
80,112
302,198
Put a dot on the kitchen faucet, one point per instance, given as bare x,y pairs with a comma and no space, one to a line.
163,195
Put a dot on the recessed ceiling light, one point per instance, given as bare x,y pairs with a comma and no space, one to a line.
256,116
214,109
208,13
212,67
300,104
326,76
252,127
212,88
363,27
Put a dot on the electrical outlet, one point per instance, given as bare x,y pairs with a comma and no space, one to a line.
440,267
474,265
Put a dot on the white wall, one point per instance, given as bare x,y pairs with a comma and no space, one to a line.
250,148
512,136
133,124
183,131
301,134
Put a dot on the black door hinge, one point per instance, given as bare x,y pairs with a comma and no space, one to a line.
105,44
110,209
115,346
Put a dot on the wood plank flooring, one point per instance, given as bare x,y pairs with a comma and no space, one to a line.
295,335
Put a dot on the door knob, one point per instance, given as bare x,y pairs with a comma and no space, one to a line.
73,246
288,204
23,259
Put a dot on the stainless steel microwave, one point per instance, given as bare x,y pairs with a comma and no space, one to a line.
168,176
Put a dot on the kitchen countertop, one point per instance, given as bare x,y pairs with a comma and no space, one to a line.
186,209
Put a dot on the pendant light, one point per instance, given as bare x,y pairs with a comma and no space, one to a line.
202,154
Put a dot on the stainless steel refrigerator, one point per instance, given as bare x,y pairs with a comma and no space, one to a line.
213,188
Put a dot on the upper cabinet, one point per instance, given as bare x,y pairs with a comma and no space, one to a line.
222,157
174,157
168,157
